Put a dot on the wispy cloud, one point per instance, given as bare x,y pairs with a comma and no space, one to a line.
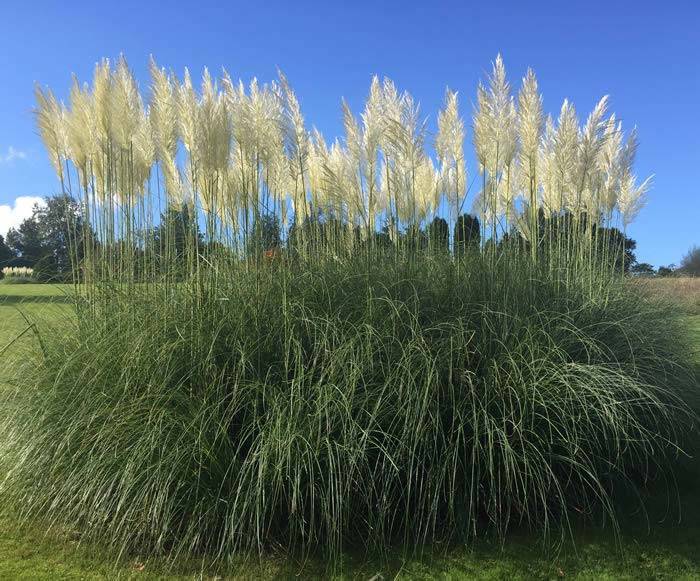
12,216
12,154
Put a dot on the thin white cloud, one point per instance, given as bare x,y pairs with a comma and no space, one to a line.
13,216
12,155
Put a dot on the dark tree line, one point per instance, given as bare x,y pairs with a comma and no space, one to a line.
56,231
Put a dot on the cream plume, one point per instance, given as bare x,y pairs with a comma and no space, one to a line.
449,145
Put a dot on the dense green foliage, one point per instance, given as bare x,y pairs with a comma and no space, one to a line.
309,408
6,253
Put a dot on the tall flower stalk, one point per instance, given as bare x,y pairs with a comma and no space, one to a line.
241,160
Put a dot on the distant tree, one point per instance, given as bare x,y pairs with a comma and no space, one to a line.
51,239
63,235
467,232
669,270
25,241
642,269
439,234
267,231
175,230
382,239
323,233
6,254
690,264
619,241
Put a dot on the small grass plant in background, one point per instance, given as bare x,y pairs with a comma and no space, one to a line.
17,275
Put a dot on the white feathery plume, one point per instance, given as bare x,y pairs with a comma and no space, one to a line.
341,183
530,124
230,207
495,126
373,127
590,143
495,121
144,154
236,101
362,145
260,142
391,101
632,197
354,166
294,120
126,107
102,101
547,175
427,187
296,139
373,121
51,121
273,146
214,130
163,112
390,106
497,198
353,135
163,116
102,112
384,184
566,154
609,165
628,152
187,114
483,128
449,145
507,191
358,147
483,205
530,120
504,114
173,181
81,130
188,128
245,153
318,155
406,151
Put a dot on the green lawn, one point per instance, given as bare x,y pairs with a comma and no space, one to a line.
666,549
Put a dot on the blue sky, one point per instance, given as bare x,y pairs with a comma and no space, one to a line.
644,55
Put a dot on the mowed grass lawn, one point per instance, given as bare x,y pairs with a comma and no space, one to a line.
663,548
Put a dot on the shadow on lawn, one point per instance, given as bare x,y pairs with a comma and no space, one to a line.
11,300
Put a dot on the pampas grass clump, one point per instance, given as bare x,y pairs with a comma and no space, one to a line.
17,275
306,356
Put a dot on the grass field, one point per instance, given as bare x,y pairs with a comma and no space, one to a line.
684,290
665,549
